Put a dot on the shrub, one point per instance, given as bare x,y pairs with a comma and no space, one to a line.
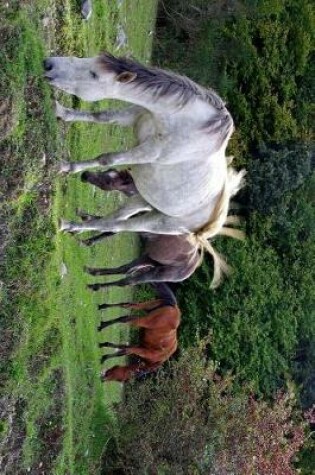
189,421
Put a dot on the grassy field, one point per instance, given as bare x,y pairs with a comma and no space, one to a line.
53,407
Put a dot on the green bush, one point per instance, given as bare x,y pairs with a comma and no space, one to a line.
189,421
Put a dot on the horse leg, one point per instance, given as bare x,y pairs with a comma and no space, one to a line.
145,353
125,117
149,305
86,216
94,239
133,266
112,180
111,305
151,222
108,323
147,321
134,205
156,274
146,152
113,355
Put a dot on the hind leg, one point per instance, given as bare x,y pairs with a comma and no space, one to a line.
154,274
133,266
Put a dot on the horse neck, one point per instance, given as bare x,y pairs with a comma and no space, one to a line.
196,110
165,293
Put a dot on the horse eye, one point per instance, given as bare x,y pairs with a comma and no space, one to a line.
94,75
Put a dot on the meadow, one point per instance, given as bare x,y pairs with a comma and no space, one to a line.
54,409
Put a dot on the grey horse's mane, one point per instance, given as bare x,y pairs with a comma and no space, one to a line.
161,83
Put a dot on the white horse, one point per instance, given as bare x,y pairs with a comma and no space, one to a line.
179,165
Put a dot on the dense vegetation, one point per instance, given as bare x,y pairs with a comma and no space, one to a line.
189,421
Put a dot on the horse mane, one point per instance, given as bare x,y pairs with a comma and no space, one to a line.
216,225
161,82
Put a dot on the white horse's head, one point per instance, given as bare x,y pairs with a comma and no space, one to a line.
86,78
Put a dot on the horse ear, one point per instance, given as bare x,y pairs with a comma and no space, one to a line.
126,77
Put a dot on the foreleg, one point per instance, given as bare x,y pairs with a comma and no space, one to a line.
125,117
134,205
147,354
146,152
108,323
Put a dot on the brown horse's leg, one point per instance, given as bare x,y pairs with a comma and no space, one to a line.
153,319
94,239
149,305
123,319
103,306
145,353
113,355
111,180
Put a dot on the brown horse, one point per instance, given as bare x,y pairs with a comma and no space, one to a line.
158,340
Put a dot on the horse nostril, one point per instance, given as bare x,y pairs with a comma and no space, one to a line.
48,64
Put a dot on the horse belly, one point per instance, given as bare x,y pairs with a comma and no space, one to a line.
179,189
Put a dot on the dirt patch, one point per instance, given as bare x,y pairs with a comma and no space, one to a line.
13,435
51,431
13,432
7,118
38,361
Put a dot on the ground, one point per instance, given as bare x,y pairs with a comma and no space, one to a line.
53,406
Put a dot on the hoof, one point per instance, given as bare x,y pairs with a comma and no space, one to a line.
86,9
103,375
60,111
64,226
103,306
85,242
93,287
65,167
91,271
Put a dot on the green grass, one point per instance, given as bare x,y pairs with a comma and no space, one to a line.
48,320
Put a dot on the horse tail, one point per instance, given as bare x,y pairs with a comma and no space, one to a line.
216,225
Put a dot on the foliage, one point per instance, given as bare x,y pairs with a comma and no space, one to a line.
258,55
274,173
190,421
